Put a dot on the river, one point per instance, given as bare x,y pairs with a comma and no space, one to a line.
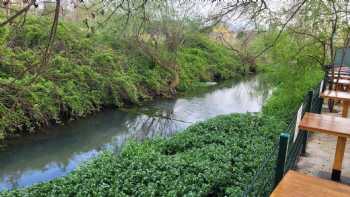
57,150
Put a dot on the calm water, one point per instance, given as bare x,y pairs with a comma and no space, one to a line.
58,150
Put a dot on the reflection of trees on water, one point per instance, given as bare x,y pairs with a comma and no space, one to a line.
34,157
257,87
13,180
156,122
262,87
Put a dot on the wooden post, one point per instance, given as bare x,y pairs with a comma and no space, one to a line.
281,158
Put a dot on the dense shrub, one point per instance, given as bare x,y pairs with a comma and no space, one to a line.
203,60
291,87
292,66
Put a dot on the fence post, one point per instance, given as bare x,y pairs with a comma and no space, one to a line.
325,80
319,109
310,94
307,109
281,157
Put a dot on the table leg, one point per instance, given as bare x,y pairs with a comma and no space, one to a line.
337,87
338,159
345,109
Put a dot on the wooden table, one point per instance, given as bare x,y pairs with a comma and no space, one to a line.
337,126
339,72
341,83
342,76
295,184
341,69
340,96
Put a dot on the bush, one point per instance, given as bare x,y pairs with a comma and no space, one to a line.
205,60
291,87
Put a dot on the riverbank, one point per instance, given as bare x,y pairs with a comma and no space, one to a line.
217,156
88,73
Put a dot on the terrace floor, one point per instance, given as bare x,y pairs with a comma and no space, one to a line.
320,151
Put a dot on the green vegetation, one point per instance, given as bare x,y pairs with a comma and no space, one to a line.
167,46
292,72
216,157
87,72
205,60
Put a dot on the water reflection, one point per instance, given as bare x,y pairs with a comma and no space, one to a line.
57,151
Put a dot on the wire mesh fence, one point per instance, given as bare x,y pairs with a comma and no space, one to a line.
263,181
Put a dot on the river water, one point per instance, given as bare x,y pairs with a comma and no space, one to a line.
56,151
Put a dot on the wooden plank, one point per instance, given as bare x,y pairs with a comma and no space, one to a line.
336,95
337,126
295,184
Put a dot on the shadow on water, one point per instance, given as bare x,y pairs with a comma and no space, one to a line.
56,151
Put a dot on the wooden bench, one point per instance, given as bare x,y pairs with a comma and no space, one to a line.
336,126
295,184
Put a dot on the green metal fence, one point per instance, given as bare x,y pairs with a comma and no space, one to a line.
284,155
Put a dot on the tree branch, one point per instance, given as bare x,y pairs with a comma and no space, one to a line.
19,13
